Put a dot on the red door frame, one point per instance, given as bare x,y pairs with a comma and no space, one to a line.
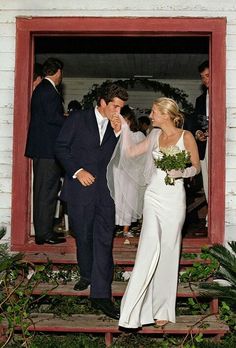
28,28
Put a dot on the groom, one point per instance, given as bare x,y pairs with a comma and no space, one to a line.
84,148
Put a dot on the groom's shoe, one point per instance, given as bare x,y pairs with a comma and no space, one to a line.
81,285
106,306
53,240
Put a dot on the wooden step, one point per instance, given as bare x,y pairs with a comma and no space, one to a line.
124,257
90,323
190,244
185,290
118,289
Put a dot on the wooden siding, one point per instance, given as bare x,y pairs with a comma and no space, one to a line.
11,9
214,28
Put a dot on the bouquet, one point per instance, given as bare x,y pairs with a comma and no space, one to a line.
169,158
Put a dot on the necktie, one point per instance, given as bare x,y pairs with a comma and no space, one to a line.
102,128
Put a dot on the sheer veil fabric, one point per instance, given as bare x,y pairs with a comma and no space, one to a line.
129,172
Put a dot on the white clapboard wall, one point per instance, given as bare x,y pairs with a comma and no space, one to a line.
9,10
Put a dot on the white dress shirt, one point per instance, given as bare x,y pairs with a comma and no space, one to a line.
102,123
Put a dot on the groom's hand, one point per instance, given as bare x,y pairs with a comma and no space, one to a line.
85,178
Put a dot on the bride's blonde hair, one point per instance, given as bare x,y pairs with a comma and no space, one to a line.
170,107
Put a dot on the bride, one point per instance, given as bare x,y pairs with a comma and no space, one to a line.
150,295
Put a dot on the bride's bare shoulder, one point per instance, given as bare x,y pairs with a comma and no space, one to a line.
188,134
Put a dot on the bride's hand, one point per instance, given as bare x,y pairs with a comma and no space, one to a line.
116,123
186,173
175,173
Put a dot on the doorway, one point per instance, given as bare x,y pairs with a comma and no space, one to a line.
142,37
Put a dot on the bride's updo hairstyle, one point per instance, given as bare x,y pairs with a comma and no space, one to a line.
170,107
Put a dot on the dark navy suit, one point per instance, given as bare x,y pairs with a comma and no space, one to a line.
200,109
91,209
47,117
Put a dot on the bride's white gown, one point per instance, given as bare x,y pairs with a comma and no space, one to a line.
151,290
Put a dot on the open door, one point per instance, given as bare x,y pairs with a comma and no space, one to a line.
28,30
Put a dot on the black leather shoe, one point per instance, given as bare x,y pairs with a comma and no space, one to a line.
52,240
55,240
60,233
106,306
82,284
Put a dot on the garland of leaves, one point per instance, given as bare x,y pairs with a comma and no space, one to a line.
171,92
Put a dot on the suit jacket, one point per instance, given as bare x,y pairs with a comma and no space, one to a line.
78,146
200,109
47,117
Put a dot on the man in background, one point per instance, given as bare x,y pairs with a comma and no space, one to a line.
47,117
74,105
201,118
144,124
38,74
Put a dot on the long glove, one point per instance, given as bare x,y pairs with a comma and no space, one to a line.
186,173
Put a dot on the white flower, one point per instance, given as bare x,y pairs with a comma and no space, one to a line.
170,150
157,154
172,159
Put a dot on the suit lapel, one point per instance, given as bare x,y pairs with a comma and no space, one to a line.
93,126
108,133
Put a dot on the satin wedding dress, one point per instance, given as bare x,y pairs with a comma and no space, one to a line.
151,291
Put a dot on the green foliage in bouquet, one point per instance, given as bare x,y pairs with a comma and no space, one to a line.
172,158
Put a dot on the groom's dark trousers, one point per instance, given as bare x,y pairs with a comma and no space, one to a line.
91,209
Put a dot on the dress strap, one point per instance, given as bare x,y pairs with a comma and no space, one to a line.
180,142
157,144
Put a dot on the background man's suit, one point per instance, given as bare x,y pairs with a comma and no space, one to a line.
200,109
91,209
47,117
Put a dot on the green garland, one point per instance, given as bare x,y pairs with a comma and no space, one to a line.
171,92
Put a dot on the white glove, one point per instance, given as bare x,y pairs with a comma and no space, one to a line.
186,173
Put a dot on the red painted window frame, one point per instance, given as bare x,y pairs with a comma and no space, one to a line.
28,28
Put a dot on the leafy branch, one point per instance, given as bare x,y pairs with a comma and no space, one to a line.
171,92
